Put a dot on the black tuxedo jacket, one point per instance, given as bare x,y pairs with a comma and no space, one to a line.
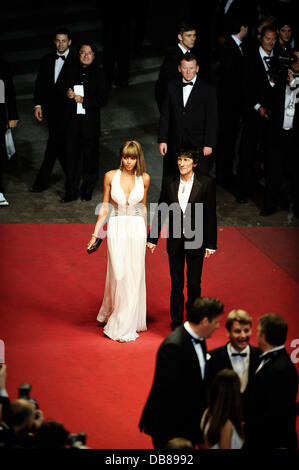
52,96
203,191
232,83
219,360
177,397
168,71
260,90
195,124
271,421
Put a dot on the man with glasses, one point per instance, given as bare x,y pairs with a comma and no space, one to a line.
86,92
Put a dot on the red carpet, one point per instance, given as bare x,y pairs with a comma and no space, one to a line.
51,291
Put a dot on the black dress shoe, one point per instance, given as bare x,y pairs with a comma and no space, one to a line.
267,212
241,200
68,199
36,189
86,197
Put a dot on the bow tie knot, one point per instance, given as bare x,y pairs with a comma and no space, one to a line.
60,57
187,83
240,354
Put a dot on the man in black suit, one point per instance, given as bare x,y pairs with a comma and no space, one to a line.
178,395
50,102
231,91
259,106
169,68
8,116
271,420
82,120
237,354
188,116
190,201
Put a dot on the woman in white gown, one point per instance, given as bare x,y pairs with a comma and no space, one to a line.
222,422
124,303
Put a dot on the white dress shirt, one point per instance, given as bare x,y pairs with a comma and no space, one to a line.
238,42
198,348
185,188
59,64
240,364
187,89
183,49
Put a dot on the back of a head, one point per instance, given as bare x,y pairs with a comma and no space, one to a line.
204,307
179,443
274,327
52,435
20,413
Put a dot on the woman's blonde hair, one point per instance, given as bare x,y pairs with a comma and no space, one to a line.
132,148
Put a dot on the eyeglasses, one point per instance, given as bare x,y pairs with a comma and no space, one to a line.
85,53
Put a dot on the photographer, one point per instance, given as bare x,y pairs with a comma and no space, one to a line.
21,423
283,161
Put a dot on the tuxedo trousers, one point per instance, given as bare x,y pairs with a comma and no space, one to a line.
55,149
82,155
177,263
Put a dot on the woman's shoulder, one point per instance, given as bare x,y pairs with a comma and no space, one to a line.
146,178
109,175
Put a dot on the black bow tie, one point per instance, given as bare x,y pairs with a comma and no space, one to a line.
60,57
187,83
239,354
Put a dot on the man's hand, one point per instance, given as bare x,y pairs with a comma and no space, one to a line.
38,113
3,377
209,253
163,148
151,246
263,112
12,123
290,75
78,99
70,93
207,151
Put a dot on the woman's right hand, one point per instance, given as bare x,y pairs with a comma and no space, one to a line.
91,242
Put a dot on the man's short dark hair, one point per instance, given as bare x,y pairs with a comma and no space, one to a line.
89,43
189,57
236,24
274,327
270,28
187,152
52,435
185,26
204,307
62,30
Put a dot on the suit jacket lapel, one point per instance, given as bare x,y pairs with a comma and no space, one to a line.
196,187
194,91
175,189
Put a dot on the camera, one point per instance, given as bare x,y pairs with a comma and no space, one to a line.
24,392
77,440
278,66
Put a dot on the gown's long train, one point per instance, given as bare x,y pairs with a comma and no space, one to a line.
124,302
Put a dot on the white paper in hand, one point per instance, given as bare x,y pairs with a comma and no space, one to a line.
79,90
9,144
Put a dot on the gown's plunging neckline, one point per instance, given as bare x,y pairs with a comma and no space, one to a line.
127,200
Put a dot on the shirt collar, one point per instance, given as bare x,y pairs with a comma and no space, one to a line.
190,331
231,349
66,53
264,54
183,49
236,39
190,181
278,348
193,80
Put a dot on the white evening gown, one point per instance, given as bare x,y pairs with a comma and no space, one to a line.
124,302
